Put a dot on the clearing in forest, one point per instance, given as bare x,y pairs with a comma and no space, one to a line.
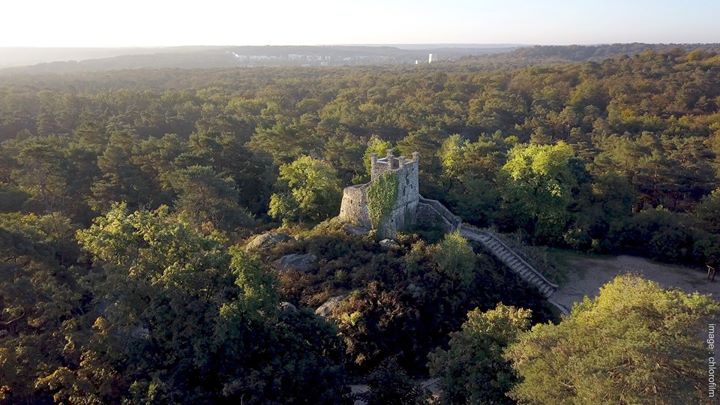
585,274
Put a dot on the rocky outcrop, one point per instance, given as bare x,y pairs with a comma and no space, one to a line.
389,244
326,309
267,240
287,307
295,262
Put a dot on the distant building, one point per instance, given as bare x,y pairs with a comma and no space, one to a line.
430,57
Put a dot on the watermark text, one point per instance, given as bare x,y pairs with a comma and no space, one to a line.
711,360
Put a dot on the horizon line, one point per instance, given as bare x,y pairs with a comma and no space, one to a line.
419,44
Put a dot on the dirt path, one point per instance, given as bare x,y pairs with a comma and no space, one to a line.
586,274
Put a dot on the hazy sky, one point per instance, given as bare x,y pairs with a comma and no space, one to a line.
311,22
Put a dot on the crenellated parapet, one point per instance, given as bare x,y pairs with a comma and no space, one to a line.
390,162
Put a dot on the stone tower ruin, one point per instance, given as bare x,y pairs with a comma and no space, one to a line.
354,207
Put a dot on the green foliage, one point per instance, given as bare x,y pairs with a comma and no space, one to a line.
707,212
256,283
39,300
199,308
495,109
401,303
51,174
390,384
225,151
344,152
455,257
382,196
426,141
469,172
472,369
657,233
639,141
377,146
153,245
537,190
283,141
308,190
636,342
204,198
123,180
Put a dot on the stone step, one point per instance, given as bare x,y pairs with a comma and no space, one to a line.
512,260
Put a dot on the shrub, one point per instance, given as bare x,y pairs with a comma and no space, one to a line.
634,343
472,369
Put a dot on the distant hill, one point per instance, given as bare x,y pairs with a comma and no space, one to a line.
225,57
212,57
25,56
581,53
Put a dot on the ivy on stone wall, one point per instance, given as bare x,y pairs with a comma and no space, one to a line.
381,195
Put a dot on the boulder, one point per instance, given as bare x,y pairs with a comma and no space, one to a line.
354,230
267,240
326,309
296,262
140,332
389,244
287,307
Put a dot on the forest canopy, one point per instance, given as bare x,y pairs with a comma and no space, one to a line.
130,203
642,135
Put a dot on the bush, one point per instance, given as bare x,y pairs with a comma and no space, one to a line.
634,343
472,369
657,233
404,301
390,384
455,258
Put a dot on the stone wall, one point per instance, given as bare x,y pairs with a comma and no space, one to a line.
401,218
429,218
431,213
353,208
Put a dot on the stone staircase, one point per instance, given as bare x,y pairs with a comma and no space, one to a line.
513,260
